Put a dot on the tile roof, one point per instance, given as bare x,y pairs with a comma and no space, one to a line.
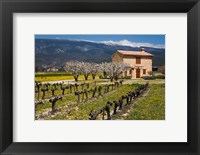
134,53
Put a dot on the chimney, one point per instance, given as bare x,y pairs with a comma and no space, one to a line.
142,49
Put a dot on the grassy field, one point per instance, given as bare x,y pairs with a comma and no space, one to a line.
151,106
58,76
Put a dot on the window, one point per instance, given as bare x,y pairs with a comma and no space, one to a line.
130,71
138,60
144,71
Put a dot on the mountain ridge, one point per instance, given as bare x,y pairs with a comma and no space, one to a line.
59,51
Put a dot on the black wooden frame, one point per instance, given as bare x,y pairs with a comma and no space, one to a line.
8,7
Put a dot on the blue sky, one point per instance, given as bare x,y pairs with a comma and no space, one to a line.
133,40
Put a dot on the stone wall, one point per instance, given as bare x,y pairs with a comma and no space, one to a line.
117,57
147,63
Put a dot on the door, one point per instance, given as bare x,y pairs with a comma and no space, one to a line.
137,73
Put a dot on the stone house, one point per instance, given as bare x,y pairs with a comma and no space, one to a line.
139,62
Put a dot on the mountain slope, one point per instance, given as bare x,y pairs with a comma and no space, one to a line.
58,51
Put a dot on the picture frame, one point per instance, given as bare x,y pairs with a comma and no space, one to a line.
8,7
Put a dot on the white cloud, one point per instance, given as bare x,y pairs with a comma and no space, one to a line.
124,43
132,44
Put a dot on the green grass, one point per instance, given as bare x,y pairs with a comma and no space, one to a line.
115,95
69,98
142,81
150,107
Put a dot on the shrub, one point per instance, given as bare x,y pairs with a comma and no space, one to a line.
160,76
148,77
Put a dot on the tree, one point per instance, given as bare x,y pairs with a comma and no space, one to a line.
74,67
162,69
104,68
86,69
113,70
118,69
110,72
95,68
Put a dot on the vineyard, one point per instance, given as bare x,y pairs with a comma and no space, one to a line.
88,100
79,82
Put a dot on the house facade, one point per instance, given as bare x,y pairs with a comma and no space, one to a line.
139,62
